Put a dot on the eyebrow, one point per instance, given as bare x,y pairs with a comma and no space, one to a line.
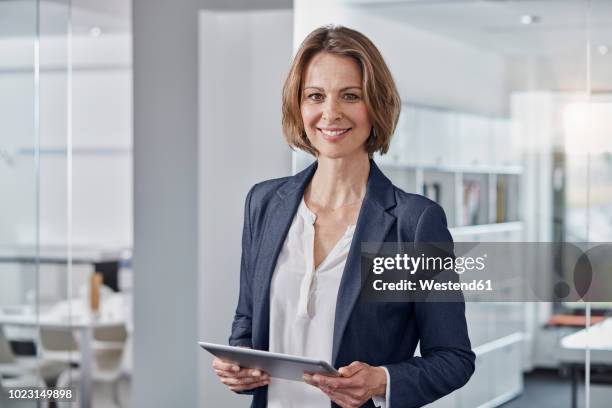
341,90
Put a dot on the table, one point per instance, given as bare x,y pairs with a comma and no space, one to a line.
573,346
104,260
75,317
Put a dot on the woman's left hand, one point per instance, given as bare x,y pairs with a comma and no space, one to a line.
358,383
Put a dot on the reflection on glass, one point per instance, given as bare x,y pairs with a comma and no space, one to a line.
18,207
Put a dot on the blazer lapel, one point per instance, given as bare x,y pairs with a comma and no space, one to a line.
373,225
279,218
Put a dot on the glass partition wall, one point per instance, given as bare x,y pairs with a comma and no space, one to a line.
65,219
20,176
506,122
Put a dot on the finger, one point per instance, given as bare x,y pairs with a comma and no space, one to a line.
327,391
341,399
339,382
341,394
317,380
246,387
239,381
308,380
321,380
245,372
231,374
225,365
255,372
332,382
244,375
351,369
230,381
354,394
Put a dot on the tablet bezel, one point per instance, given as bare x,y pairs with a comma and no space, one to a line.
269,359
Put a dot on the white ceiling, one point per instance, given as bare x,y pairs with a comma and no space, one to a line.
557,44
18,17
558,41
495,24
490,24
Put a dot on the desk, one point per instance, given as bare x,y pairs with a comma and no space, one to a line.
573,347
72,316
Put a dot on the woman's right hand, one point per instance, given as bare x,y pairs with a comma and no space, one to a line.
238,378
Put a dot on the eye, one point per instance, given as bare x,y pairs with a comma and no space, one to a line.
315,97
351,97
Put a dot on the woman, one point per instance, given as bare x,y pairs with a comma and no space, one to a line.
300,273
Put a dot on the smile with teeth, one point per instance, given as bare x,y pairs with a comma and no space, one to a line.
335,132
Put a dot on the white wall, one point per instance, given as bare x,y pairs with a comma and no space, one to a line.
244,57
429,69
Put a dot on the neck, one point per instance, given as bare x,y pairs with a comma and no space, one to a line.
338,182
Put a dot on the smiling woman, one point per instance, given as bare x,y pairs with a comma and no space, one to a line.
300,274
336,119
357,73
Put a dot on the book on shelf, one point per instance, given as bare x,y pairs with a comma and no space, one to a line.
500,211
471,202
432,190
507,199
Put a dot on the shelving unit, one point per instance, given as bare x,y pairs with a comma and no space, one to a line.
472,166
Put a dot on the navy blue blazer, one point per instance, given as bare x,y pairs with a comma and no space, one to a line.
377,333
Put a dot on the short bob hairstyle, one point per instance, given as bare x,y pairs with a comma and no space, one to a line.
380,93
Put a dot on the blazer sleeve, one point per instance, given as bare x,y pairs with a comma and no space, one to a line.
447,361
241,326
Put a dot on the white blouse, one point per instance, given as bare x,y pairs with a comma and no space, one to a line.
303,308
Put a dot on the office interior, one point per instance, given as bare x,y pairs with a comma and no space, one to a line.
131,132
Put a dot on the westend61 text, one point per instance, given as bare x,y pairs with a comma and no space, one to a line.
430,284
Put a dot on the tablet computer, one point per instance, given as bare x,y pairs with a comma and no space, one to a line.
275,364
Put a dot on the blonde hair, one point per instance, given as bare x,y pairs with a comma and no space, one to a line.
380,93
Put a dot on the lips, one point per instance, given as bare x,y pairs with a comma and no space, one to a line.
333,134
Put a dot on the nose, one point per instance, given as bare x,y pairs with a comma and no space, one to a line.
331,110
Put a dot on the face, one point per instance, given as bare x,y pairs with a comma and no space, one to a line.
333,110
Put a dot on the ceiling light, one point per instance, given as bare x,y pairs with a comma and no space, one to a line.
529,19
603,49
95,31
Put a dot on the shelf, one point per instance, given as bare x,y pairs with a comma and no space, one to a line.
502,399
487,228
498,343
510,170
102,151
